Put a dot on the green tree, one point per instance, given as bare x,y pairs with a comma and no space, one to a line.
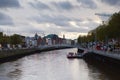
1,37
114,26
15,39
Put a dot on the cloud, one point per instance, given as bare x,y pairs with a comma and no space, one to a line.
63,22
30,29
60,23
103,14
9,4
57,20
5,19
54,16
71,29
112,2
39,5
88,4
65,5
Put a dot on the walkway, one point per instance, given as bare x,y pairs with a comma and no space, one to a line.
115,55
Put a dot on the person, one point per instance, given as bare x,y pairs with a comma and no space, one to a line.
85,51
0,47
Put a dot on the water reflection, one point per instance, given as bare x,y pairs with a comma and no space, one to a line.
53,65
79,70
102,71
10,71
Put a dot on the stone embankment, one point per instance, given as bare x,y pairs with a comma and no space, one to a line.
112,58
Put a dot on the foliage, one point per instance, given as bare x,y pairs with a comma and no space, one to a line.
15,39
1,37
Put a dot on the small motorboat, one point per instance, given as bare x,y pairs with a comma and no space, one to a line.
74,55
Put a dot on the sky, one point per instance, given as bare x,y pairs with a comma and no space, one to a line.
62,17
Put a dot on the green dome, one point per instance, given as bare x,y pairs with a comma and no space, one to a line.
52,36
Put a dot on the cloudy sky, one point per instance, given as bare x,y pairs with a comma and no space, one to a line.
68,17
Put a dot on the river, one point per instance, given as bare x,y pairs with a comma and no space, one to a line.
53,65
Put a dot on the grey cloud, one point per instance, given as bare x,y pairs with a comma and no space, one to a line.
84,27
5,19
88,4
9,3
103,14
71,29
25,28
31,30
112,2
63,5
61,21
39,5
58,20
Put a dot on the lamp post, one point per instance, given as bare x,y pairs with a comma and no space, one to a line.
95,36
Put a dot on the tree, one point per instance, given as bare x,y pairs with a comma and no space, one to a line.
1,37
15,39
114,26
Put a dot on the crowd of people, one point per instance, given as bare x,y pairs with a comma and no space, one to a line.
110,45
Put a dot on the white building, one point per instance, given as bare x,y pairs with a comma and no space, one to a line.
49,41
76,41
30,42
68,41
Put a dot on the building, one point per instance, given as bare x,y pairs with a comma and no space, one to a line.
52,39
30,42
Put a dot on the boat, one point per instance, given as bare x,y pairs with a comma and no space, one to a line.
74,55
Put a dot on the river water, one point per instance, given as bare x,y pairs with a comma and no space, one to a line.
53,65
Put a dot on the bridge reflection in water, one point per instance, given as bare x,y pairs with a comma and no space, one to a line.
53,65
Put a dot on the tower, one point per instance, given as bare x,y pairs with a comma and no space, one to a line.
63,36
36,36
